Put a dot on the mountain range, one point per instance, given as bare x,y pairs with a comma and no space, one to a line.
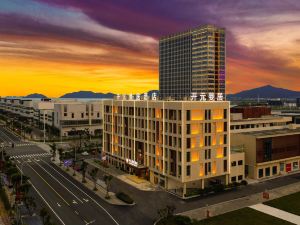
267,91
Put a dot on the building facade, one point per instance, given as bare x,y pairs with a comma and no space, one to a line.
192,62
270,152
175,144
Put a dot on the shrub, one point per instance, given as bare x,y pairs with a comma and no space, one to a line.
244,182
175,220
218,188
124,197
4,199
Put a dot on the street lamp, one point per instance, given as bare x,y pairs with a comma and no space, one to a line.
2,147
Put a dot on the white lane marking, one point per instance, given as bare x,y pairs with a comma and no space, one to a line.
86,200
49,185
18,161
93,221
58,205
85,194
74,202
47,203
59,183
77,212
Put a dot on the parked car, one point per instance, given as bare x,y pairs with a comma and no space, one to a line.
85,153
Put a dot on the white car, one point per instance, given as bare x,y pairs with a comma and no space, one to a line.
85,153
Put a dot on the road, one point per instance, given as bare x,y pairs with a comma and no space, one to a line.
7,137
71,203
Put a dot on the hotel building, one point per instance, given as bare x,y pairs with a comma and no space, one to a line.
192,62
178,145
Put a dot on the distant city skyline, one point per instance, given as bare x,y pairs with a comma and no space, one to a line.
58,46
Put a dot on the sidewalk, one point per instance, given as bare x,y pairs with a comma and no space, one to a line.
239,203
132,180
101,192
292,218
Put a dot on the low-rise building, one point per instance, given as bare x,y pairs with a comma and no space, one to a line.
64,116
270,152
73,116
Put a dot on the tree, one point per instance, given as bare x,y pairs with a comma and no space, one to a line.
60,152
44,214
166,212
83,171
107,179
30,204
93,173
53,151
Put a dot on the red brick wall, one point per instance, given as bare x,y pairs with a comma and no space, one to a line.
282,147
252,112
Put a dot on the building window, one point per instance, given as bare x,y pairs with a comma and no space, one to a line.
72,115
233,179
188,170
188,157
274,170
207,153
225,165
188,143
207,114
188,129
82,115
260,173
240,177
267,148
267,171
233,163
188,115
225,113
225,151
240,162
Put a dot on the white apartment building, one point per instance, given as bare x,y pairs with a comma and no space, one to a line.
73,116
66,116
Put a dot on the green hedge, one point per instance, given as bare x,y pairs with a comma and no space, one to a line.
124,197
175,220
4,199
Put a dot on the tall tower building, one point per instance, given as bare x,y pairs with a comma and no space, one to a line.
192,62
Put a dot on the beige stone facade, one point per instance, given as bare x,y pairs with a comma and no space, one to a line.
176,144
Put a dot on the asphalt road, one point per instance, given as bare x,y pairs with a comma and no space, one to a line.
67,199
71,203
7,137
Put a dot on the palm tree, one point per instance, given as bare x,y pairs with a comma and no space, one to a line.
107,179
83,170
53,151
93,174
60,151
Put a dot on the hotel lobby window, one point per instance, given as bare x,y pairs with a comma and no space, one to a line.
260,173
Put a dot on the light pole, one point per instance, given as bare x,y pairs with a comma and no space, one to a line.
2,146
44,128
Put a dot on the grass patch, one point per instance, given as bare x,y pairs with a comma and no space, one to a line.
244,216
289,203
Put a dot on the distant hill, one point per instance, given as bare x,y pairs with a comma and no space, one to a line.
35,95
267,91
87,94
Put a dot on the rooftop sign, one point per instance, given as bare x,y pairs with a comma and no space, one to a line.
194,97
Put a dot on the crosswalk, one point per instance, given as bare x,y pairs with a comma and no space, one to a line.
30,155
24,144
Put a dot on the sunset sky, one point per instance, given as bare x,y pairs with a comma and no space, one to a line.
58,46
